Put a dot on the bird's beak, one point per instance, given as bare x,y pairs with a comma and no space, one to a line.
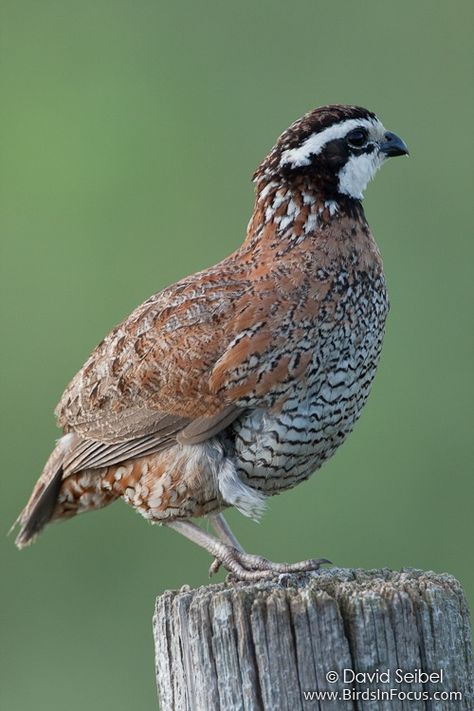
393,145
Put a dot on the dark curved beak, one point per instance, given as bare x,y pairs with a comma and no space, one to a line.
393,145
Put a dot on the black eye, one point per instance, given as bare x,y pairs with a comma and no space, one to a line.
357,137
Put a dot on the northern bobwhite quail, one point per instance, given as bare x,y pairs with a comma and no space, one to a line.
239,381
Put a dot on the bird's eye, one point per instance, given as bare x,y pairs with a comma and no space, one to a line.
357,137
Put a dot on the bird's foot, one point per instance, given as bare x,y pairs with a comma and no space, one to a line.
245,566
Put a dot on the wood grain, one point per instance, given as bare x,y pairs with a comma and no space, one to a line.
261,646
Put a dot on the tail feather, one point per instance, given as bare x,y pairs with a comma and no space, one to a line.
34,518
40,507
60,493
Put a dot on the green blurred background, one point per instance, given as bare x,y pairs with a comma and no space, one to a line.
129,133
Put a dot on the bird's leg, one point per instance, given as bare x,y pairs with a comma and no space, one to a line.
243,565
225,533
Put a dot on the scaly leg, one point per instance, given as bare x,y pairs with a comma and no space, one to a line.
224,532
243,565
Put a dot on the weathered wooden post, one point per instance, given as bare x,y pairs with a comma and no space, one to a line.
336,639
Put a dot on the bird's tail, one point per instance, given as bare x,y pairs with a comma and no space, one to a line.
40,507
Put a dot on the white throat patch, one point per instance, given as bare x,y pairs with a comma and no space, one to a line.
357,173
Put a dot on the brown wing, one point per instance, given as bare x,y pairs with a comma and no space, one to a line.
148,380
185,363
154,364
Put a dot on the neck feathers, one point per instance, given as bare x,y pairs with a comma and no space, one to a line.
293,212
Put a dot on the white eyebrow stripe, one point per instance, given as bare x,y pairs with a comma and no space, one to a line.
315,143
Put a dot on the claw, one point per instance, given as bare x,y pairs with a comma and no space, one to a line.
214,567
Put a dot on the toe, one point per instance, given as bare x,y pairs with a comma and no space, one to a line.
214,567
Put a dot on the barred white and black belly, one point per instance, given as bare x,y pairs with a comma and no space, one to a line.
273,451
